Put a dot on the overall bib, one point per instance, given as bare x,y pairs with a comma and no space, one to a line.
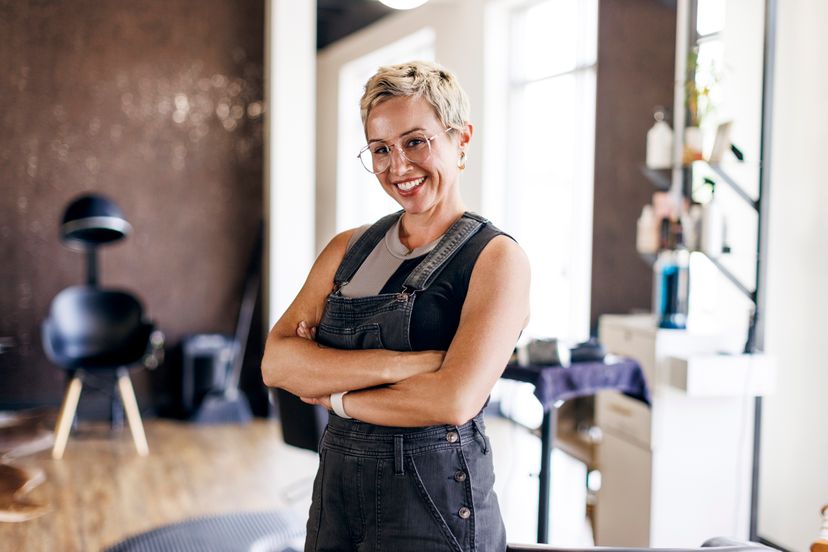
391,488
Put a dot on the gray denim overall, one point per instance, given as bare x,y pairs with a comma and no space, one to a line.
392,488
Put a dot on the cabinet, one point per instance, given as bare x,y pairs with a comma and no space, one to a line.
679,472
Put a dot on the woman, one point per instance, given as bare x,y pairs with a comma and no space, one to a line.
414,319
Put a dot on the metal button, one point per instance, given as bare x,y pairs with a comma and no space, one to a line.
464,513
460,476
452,436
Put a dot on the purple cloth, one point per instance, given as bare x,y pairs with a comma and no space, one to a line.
581,379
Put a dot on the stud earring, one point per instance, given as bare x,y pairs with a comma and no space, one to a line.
461,163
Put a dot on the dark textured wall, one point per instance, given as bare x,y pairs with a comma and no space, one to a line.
636,61
156,104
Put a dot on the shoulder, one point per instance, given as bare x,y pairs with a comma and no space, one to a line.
334,251
502,255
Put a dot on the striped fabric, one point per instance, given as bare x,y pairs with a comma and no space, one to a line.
248,532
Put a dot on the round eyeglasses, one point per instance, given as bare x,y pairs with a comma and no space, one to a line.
414,147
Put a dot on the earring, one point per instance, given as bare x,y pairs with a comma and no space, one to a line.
461,163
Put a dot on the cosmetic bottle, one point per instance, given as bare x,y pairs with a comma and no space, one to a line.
691,222
671,287
646,236
712,226
821,544
659,143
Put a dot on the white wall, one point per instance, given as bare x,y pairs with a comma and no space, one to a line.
290,59
794,482
459,29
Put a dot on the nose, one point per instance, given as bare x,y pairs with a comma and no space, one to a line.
399,162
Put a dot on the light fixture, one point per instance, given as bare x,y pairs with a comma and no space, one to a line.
403,4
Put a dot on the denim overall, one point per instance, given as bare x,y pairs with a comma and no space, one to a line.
391,488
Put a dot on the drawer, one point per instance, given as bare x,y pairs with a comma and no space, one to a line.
635,343
616,413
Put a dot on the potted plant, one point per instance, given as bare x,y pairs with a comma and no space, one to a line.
697,94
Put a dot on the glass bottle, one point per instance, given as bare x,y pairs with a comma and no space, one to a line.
671,287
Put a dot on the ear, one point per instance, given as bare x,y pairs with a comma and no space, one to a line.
465,135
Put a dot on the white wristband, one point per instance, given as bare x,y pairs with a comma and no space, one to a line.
338,406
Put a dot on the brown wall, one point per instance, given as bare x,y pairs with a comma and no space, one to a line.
636,51
156,105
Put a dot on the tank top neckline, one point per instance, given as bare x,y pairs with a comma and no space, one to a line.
397,248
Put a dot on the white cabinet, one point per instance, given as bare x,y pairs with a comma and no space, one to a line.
679,472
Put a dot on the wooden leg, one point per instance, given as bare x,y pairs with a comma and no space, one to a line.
132,412
67,416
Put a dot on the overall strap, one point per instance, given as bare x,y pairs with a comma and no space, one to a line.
456,236
358,252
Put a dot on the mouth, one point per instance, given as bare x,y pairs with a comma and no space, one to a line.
410,185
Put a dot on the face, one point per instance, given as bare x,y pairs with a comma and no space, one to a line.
433,184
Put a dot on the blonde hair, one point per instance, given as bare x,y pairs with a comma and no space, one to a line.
437,85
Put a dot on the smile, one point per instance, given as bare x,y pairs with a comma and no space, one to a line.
409,185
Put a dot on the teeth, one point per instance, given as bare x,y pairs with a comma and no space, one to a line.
411,184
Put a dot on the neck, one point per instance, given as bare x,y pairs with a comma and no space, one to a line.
418,229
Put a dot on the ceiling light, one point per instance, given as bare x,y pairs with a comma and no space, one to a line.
403,4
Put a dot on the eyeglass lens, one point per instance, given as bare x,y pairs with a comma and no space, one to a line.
414,148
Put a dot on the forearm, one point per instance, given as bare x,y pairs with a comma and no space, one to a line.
422,400
308,370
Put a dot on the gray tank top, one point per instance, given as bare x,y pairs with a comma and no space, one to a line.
382,262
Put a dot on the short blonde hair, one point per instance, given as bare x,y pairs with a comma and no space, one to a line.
437,85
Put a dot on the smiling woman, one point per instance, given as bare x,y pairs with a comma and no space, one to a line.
401,329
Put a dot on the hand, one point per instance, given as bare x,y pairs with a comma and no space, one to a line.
321,401
305,331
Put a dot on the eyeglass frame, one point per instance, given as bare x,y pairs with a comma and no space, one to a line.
400,149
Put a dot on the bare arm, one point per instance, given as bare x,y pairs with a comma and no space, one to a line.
306,369
495,311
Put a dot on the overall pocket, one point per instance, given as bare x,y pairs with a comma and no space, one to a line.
365,336
444,486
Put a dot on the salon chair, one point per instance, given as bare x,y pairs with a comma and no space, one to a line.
93,332
717,544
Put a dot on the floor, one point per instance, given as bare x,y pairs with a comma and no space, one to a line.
102,491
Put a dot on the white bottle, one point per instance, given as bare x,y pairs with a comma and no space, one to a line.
660,143
712,228
691,222
646,237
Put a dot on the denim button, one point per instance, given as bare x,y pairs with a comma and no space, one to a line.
464,513
452,437
459,476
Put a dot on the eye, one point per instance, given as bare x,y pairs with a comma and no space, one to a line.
415,142
380,149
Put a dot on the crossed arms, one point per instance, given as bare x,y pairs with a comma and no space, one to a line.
408,389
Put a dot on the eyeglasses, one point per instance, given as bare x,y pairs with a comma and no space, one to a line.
415,148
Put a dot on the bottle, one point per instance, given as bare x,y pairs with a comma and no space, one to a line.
691,221
671,288
712,226
821,544
659,143
646,236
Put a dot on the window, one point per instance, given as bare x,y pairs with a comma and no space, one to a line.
549,157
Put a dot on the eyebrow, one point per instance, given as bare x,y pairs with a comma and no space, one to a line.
371,140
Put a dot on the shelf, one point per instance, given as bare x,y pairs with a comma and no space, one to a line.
660,178
719,171
650,259
719,375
